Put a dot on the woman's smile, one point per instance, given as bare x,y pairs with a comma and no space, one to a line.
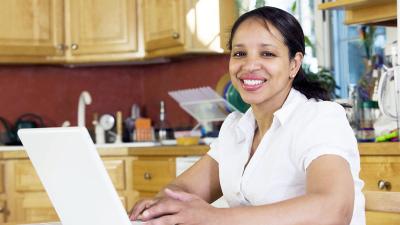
251,82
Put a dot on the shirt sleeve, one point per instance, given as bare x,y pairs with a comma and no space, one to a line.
213,152
227,126
325,131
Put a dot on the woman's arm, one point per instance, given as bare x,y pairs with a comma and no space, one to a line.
329,200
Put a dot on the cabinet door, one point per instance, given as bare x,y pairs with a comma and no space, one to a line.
31,27
381,173
102,26
35,207
163,23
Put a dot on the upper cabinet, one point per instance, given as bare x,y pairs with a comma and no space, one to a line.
31,29
101,29
68,31
82,31
378,12
173,27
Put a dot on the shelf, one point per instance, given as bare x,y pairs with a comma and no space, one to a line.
373,12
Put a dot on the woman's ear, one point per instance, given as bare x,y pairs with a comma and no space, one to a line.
295,64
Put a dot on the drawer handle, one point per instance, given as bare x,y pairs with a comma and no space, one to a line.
384,185
147,176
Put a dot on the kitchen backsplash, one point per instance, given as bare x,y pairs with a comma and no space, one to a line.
53,91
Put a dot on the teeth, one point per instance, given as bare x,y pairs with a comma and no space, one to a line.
253,82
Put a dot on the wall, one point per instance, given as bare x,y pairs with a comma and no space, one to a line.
53,91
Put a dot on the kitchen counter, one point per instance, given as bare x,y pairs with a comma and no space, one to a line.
128,149
155,149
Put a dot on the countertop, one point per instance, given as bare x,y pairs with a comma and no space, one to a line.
155,149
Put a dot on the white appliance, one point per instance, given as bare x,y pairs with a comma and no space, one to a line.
184,163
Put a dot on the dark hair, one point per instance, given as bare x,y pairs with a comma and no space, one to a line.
293,37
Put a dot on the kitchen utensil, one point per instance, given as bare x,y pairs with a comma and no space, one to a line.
107,121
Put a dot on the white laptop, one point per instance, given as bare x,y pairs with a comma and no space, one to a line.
74,176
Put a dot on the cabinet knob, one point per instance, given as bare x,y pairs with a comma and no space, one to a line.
147,176
74,46
384,185
175,35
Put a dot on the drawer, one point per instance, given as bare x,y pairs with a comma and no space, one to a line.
26,178
380,168
151,174
116,171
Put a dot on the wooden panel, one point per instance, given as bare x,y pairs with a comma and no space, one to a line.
376,168
380,218
103,26
35,207
151,175
1,178
116,171
164,23
31,27
26,178
373,14
2,212
349,4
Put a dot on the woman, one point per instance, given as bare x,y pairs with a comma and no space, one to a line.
290,159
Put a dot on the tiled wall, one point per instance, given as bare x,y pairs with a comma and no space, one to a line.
53,91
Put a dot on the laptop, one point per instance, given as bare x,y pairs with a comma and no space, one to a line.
74,176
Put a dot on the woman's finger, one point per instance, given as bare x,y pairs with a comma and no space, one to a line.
164,220
166,206
140,206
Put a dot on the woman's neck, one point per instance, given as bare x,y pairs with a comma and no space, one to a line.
264,112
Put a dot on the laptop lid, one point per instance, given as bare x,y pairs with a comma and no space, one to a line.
74,176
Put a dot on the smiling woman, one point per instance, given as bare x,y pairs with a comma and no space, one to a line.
291,158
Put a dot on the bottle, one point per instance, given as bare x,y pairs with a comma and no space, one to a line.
162,129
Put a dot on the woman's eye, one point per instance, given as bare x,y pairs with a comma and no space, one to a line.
267,54
238,54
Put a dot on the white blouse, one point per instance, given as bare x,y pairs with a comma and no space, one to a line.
301,131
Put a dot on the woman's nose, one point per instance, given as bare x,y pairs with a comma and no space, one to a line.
252,65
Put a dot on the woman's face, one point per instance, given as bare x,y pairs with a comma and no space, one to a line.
260,66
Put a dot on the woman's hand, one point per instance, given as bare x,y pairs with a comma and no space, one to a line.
178,207
140,206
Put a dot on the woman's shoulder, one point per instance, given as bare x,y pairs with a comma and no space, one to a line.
232,119
322,108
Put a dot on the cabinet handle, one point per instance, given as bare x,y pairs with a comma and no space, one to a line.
175,35
384,185
74,46
147,176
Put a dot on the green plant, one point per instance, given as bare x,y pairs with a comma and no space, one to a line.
324,77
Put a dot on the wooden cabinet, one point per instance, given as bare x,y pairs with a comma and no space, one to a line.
68,31
151,174
31,28
380,12
175,27
102,30
34,207
380,171
3,211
